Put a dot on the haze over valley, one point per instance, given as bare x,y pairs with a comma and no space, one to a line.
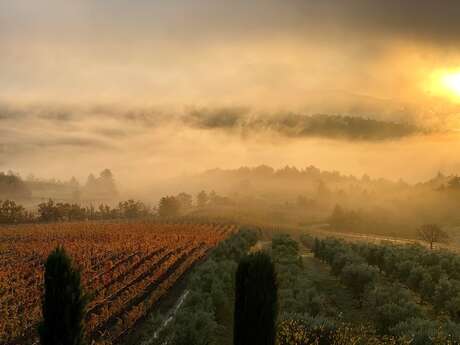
212,172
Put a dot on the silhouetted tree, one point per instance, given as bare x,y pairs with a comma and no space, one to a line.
132,209
11,213
169,207
202,199
255,301
454,183
48,211
432,233
106,183
337,217
13,187
185,200
357,277
103,187
63,303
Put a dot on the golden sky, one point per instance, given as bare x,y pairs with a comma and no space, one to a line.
385,60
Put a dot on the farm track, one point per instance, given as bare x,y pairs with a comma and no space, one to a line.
320,231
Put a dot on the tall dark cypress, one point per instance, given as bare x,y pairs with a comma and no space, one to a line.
255,301
63,303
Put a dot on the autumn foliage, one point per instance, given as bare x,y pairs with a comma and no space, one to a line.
125,269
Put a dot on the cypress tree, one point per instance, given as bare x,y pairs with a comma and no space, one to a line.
63,302
255,301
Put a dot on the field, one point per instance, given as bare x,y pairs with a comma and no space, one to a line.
126,268
330,291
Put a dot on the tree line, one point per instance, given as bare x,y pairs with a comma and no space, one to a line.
52,211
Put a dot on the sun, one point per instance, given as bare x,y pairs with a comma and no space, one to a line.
451,82
444,83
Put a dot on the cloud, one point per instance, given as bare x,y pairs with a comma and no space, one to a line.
430,21
281,60
294,125
108,130
145,144
260,53
218,118
202,19
73,142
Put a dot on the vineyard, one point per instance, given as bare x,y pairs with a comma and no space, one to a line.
126,268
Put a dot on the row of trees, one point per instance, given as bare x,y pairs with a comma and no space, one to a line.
12,213
433,275
51,211
394,309
297,294
206,315
173,206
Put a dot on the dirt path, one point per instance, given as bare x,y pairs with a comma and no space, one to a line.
338,297
168,305
168,318
319,230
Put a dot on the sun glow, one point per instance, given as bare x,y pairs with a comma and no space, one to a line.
446,84
452,82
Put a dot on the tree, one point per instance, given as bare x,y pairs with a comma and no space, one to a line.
131,209
202,199
255,301
91,181
185,200
169,207
337,217
63,303
102,187
454,183
432,233
212,197
107,184
48,211
11,213
357,277
13,187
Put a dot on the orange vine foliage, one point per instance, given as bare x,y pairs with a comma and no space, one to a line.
126,268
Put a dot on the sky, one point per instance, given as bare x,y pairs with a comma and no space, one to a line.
157,88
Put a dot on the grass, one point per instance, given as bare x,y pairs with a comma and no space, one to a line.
336,294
